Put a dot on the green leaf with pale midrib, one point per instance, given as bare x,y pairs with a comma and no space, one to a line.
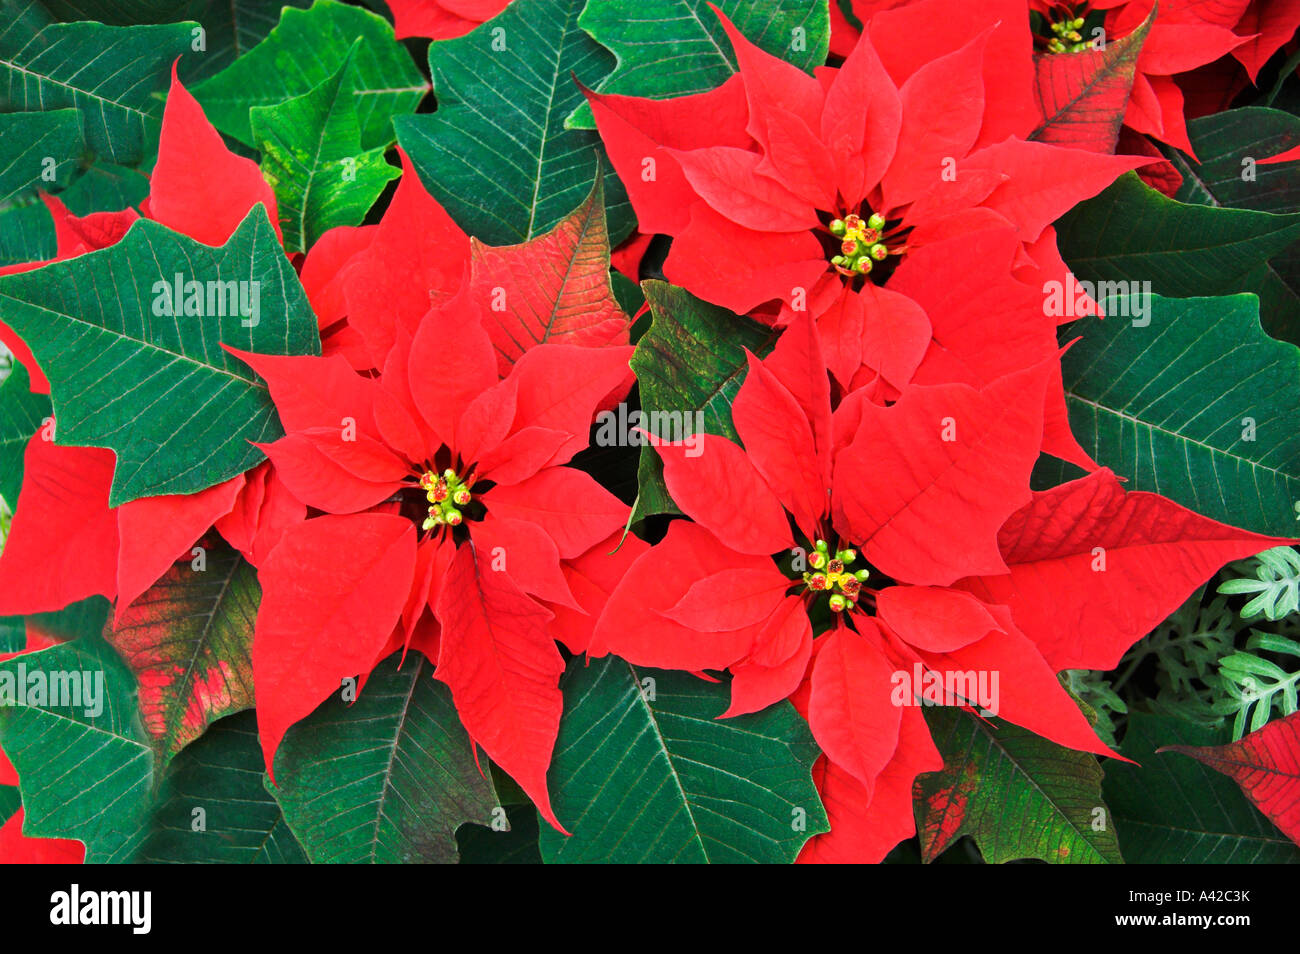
1173,810
220,773
160,390
496,153
388,779
85,777
108,74
1222,142
662,779
1131,232
307,144
304,50
698,54
1163,405
1018,795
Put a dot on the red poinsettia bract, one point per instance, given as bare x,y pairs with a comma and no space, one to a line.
448,520
915,525
788,193
66,543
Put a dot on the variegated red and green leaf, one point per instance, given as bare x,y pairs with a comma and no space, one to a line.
188,640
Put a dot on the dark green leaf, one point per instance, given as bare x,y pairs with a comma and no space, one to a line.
1133,233
213,808
517,845
10,802
1173,810
85,774
691,360
104,187
1229,145
388,779
1198,405
26,235
37,151
645,771
667,48
159,389
496,153
108,74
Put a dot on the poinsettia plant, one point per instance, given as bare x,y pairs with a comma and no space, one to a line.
606,431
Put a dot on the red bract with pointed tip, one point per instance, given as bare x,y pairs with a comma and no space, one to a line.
1182,37
450,523
1185,35
915,524
856,196
1266,764
65,543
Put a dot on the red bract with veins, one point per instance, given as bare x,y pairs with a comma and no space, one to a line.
66,543
441,19
787,193
915,525
1185,35
450,524
1259,29
1182,37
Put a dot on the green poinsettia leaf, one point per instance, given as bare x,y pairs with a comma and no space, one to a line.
212,807
305,50
21,414
139,368
233,27
1230,145
105,187
312,157
38,151
496,153
188,639
26,235
85,766
1160,400
1016,794
691,362
10,802
667,48
108,74
1132,233
82,618
501,845
645,771
230,27
1170,809
386,779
